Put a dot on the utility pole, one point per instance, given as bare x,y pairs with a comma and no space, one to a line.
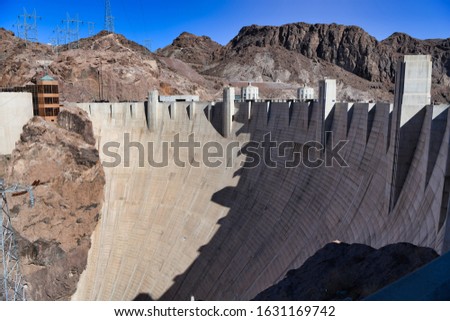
100,82
11,287
109,19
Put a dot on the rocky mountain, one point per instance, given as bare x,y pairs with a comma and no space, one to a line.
54,236
103,67
194,50
348,47
341,271
279,59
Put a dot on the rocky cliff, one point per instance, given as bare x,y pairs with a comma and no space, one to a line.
350,48
341,271
304,53
54,235
197,51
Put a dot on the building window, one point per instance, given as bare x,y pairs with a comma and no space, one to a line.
50,112
49,100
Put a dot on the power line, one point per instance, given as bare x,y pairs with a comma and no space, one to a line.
109,19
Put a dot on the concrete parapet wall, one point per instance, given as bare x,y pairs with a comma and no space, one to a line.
16,109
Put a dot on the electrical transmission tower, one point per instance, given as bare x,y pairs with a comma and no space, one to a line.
59,35
148,44
11,287
109,19
27,26
58,38
18,28
91,28
72,30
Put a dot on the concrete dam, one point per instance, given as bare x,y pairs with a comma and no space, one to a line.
229,228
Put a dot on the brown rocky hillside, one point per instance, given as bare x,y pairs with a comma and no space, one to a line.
194,50
347,47
278,59
126,70
54,236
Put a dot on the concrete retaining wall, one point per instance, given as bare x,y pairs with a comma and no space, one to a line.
16,109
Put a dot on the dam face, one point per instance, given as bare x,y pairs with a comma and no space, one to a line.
228,230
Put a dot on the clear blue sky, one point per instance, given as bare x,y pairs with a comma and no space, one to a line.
163,20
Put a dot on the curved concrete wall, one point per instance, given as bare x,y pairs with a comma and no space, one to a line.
227,233
16,109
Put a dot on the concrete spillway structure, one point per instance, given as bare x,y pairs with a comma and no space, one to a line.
224,231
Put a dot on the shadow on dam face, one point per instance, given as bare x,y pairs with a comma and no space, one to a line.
228,233
268,228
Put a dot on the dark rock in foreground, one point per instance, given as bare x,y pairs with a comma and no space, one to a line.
341,271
